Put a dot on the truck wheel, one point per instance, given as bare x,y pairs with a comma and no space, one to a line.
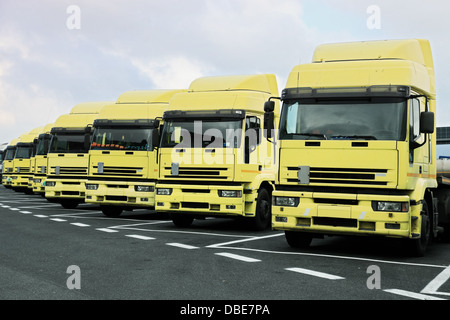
263,215
69,204
419,246
182,220
298,239
111,211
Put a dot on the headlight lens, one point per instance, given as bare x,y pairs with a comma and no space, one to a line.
230,193
144,188
90,186
286,201
164,191
390,206
50,183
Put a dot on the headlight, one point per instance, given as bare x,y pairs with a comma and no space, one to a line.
144,188
36,180
164,191
230,193
50,183
90,186
286,201
390,206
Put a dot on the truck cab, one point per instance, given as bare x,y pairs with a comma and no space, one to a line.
123,154
357,144
67,158
8,158
37,182
213,160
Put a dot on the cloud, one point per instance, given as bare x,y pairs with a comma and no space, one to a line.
46,68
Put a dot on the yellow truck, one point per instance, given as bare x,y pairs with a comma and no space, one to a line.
39,161
212,159
67,157
123,156
358,145
22,165
8,157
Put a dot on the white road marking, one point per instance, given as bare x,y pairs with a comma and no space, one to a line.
136,236
57,220
40,216
6,206
25,212
42,206
436,283
244,240
106,230
14,209
236,257
410,294
181,245
80,224
315,273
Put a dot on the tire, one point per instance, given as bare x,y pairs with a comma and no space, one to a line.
419,246
69,204
297,239
182,220
111,211
263,214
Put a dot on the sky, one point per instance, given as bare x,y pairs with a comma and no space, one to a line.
55,54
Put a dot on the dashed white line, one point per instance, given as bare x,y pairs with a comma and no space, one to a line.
315,273
181,245
40,216
237,257
410,294
78,224
14,209
57,220
106,230
136,236
25,212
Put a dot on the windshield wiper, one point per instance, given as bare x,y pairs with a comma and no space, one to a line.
308,134
354,137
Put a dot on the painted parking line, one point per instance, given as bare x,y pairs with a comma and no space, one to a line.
78,224
315,273
136,236
181,245
106,230
40,216
436,283
57,220
237,257
25,212
14,209
410,294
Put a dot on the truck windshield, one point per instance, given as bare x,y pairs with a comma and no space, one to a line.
138,139
9,154
40,147
23,153
67,143
202,134
378,119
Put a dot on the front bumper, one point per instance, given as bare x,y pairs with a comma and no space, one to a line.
120,193
65,188
347,214
201,200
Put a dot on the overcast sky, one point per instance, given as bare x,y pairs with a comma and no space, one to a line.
55,54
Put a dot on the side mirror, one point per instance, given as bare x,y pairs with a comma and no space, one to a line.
426,122
269,106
